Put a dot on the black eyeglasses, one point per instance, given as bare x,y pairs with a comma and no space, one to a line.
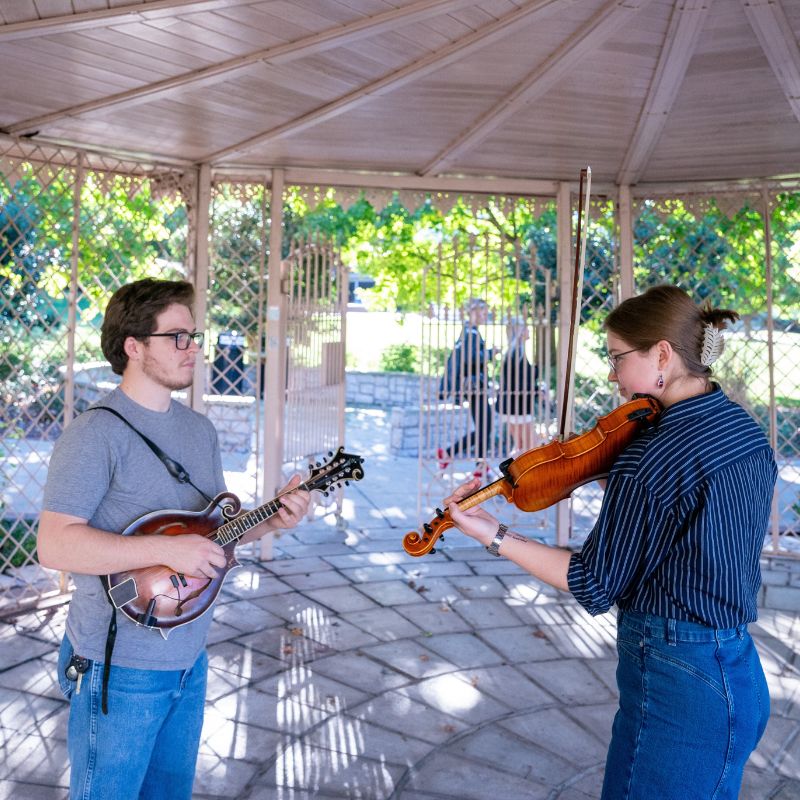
183,338
614,360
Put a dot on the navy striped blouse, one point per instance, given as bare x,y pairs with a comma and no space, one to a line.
683,519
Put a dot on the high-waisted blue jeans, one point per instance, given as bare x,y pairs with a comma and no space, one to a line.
145,748
693,705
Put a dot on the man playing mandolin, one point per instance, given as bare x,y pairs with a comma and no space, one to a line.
102,477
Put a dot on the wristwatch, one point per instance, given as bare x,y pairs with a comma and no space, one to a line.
494,547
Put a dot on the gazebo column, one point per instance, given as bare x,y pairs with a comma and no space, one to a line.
275,366
564,269
625,221
72,300
199,261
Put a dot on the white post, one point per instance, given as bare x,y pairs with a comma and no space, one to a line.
625,214
275,366
199,276
72,302
564,269
773,410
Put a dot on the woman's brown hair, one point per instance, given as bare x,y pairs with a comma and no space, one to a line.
668,313
132,311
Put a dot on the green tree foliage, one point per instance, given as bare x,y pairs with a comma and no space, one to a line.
125,232
400,358
713,255
240,232
785,231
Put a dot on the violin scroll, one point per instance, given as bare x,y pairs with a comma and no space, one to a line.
416,545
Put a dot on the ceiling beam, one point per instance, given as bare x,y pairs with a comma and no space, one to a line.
586,39
466,185
103,17
308,45
774,34
680,41
454,51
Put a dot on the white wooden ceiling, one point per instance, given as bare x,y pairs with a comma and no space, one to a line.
643,90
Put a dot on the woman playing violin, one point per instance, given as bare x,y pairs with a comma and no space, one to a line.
676,548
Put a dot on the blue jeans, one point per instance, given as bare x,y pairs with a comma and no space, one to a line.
146,747
693,704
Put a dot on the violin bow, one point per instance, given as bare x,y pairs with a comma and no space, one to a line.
581,235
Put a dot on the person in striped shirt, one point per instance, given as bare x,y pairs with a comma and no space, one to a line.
676,549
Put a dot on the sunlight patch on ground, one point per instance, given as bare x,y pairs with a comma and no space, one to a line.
450,694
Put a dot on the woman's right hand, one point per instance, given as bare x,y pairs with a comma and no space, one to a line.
475,522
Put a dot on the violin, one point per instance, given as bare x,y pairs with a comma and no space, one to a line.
546,474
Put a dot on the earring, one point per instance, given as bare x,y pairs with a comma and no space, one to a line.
660,381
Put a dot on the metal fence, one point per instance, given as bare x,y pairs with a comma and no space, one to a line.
486,356
741,251
72,229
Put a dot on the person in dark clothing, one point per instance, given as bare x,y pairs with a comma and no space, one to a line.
467,377
516,398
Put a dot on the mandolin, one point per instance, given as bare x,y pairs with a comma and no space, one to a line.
157,597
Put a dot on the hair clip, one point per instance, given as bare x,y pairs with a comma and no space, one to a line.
713,344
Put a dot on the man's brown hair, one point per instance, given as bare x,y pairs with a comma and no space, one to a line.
132,311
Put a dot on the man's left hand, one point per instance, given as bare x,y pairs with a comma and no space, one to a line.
295,506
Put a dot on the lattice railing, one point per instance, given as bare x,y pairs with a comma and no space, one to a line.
316,288
51,302
785,273
714,247
36,200
132,222
237,285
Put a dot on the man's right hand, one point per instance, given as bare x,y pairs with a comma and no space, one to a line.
70,544
191,554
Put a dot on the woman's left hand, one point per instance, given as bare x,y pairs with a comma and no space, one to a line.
475,522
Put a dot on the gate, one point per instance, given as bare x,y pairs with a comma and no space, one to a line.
487,364
315,287
311,327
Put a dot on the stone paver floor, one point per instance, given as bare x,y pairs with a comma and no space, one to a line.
346,669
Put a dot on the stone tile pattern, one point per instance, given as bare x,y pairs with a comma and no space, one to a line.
346,669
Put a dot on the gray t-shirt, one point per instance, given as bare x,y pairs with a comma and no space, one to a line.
102,471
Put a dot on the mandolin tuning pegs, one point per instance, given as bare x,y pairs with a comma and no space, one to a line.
318,464
330,453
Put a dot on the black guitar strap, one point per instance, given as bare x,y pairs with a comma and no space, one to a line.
173,467
180,475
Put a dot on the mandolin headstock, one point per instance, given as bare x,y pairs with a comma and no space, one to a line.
339,468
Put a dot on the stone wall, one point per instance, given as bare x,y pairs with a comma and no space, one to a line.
385,389
399,393
445,423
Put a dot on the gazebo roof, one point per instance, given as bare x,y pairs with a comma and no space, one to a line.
645,90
